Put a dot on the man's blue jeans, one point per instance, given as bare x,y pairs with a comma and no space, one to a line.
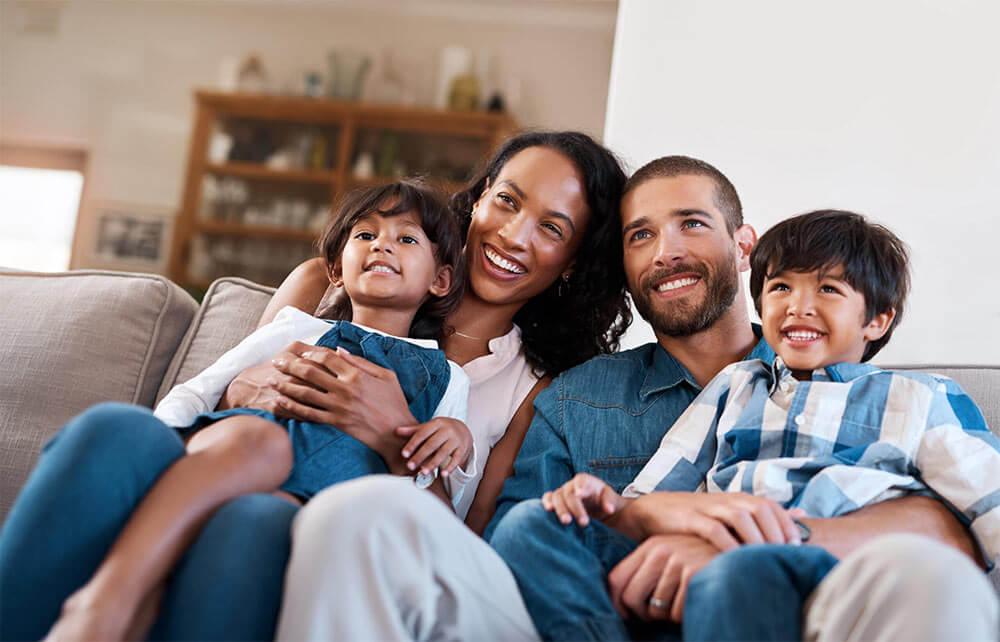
561,571
90,478
754,592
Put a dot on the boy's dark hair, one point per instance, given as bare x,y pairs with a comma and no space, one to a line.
726,198
438,224
559,332
875,261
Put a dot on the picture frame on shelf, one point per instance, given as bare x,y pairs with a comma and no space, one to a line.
130,236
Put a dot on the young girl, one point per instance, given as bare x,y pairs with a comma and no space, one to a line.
396,250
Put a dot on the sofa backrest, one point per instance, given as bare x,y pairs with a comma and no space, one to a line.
229,312
69,340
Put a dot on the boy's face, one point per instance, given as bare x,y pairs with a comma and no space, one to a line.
388,261
815,319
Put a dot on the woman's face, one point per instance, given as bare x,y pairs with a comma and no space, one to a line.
526,227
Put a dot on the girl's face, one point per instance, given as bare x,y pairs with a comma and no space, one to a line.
526,227
388,262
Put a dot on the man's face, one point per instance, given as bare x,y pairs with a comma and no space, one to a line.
681,263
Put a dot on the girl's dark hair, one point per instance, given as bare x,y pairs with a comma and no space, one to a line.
438,223
559,332
874,260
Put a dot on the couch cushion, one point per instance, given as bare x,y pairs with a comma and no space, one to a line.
229,312
69,340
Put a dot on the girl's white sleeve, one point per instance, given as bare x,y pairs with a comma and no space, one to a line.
202,392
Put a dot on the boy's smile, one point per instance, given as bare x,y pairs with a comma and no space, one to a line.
815,319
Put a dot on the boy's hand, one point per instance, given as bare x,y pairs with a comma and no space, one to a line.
581,497
442,442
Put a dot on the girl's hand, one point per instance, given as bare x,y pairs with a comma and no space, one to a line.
347,391
581,497
442,442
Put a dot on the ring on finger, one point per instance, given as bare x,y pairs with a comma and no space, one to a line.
658,604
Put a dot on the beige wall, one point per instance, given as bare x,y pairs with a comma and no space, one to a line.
116,77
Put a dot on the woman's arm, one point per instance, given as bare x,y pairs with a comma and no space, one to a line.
500,462
304,288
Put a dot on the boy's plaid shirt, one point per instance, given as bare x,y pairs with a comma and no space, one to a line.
853,436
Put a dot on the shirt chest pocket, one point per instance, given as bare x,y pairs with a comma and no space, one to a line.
617,472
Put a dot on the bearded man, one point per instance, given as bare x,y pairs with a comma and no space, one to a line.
684,246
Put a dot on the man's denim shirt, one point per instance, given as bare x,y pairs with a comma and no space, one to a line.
605,417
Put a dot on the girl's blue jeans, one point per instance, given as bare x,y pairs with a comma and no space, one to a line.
90,478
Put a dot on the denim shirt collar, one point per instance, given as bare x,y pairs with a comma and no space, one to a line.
667,372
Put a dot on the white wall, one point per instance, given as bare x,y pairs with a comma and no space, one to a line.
116,77
888,108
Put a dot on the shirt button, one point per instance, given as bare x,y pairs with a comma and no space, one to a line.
800,420
941,387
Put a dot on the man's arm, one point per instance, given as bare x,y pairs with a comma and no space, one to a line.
915,514
543,463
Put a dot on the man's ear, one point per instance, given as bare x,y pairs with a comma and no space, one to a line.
335,274
879,325
745,238
441,285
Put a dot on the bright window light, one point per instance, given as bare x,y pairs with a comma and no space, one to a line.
38,209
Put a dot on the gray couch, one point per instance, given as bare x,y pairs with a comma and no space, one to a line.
69,340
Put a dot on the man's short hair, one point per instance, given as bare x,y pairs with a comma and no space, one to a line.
875,260
726,198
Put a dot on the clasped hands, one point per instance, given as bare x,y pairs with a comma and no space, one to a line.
335,387
680,533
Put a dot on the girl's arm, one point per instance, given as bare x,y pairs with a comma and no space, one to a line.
500,463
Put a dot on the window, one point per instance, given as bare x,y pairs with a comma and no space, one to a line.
40,192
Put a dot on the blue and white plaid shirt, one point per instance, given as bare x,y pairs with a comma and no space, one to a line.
854,435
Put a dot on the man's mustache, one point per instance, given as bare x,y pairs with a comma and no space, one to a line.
649,283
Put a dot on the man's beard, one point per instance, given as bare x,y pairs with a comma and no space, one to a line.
680,318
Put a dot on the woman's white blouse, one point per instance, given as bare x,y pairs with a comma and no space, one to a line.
499,383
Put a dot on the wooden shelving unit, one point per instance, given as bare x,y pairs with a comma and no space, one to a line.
279,206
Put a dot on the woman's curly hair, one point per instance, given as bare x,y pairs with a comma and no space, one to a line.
559,332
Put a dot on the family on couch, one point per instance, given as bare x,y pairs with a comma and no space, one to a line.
378,558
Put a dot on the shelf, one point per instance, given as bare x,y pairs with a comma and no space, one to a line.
446,186
459,139
271,232
262,172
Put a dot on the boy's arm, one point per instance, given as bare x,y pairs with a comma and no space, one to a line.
957,457
543,462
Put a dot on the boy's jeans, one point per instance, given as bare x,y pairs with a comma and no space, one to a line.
754,592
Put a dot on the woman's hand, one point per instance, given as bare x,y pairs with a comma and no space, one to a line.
252,389
349,392
442,442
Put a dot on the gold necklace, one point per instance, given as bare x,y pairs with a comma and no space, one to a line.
468,336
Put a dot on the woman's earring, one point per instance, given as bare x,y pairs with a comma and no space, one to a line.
559,289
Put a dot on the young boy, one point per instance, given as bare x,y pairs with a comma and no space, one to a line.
817,431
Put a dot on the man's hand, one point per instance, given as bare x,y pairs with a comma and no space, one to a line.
581,497
657,573
724,519
442,442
